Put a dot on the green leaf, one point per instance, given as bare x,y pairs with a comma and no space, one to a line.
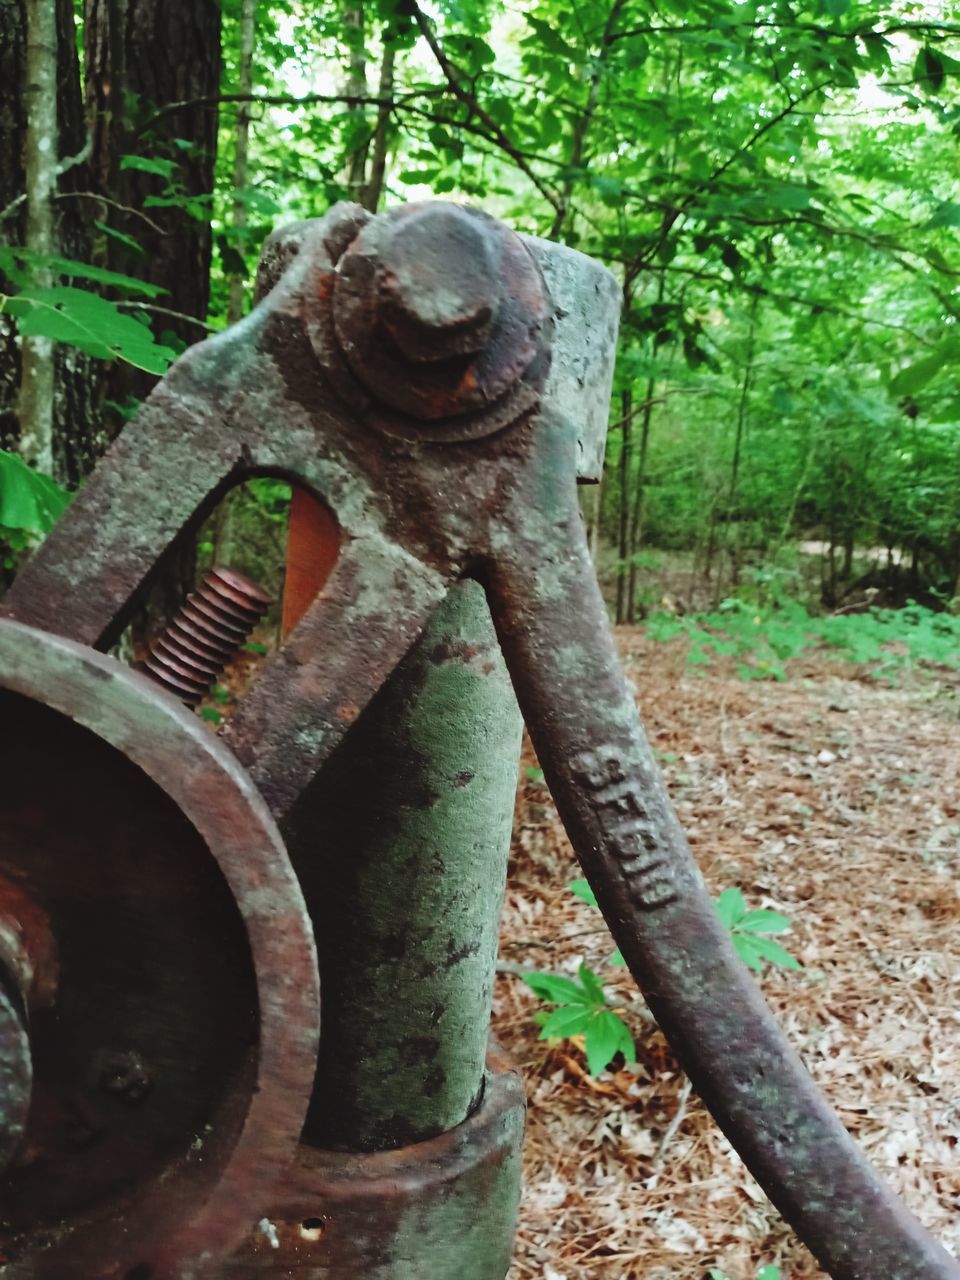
746,950
769,1273
731,907
929,69
790,197
568,1020
84,320
763,921
554,989
592,986
85,271
769,950
916,376
29,501
128,241
606,1036
150,164
581,889
946,214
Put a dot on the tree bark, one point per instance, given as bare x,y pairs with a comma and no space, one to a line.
143,56
355,28
35,404
248,18
13,28
77,439
381,132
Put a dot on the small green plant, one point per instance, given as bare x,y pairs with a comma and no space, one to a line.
763,638
748,930
581,1007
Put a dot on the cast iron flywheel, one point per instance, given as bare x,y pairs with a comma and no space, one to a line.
158,980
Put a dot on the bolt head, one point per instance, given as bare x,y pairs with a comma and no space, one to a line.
439,282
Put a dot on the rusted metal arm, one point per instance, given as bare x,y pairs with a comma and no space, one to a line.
583,719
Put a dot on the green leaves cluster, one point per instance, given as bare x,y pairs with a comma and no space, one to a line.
581,1005
764,639
748,929
78,316
769,1272
582,1009
30,505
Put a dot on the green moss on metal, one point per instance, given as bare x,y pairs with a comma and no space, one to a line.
401,844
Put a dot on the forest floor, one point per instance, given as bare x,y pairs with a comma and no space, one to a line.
835,800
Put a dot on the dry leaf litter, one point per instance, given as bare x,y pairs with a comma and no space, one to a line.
832,799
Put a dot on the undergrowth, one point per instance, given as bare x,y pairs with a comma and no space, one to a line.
764,638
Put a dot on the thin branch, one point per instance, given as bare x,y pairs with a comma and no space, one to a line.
114,204
649,403
932,29
288,100
672,1128
454,81
65,165
152,307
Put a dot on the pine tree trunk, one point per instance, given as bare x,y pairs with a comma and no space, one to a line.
154,54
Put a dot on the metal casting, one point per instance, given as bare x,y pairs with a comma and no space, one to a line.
437,381
172,992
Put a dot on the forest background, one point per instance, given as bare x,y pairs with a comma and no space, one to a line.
774,184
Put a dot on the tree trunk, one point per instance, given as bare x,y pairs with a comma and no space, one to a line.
381,133
35,404
77,439
248,19
359,141
13,28
623,549
143,57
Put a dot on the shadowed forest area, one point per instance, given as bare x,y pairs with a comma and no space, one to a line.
776,188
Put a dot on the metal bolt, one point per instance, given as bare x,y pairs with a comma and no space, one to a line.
439,282
209,629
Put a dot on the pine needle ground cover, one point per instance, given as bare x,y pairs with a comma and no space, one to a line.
831,797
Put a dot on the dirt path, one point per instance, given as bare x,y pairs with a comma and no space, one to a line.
837,802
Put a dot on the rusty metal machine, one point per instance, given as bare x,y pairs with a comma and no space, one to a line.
175,1101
